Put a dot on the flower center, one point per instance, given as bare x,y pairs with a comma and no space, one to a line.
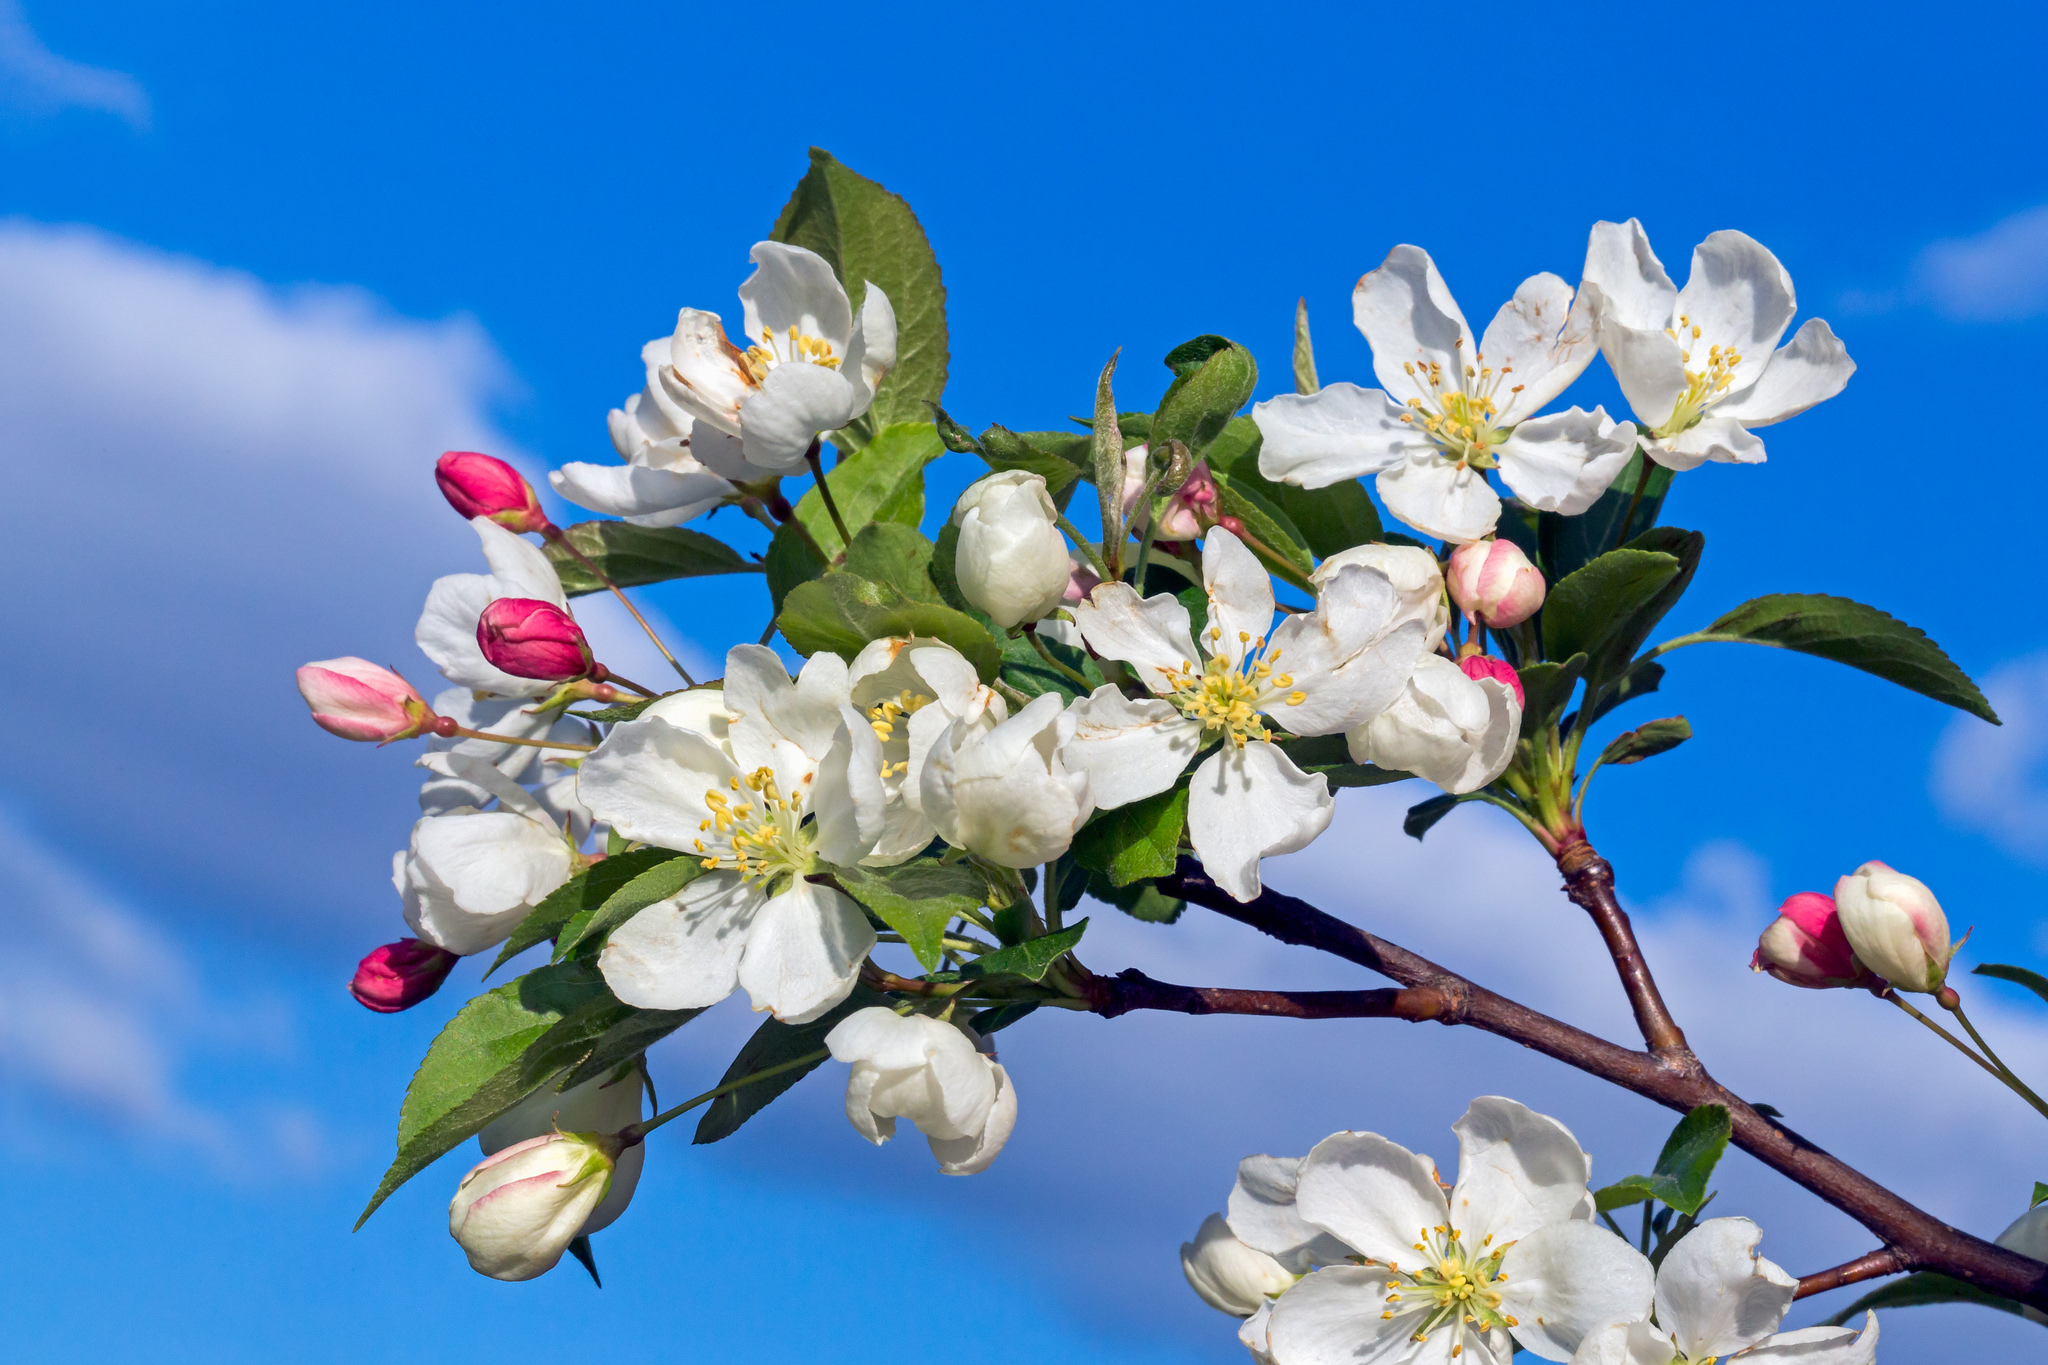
756,831
1703,387
1454,1289
1226,699
783,350
884,718
1460,415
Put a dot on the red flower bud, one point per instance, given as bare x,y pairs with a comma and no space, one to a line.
356,699
399,975
1805,945
1477,666
533,639
484,486
1234,525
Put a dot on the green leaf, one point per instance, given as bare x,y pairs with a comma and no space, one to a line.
656,884
1003,449
1850,633
1591,610
841,613
1140,900
917,900
1565,543
580,1249
2019,976
869,234
1547,690
1637,682
896,555
633,1033
1136,841
1106,458
1922,1288
1329,755
1001,1017
2040,1193
1213,378
773,1044
1647,741
1684,1167
1684,546
957,438
1030,959
1304,352
790,561
1242,498
585,891
1423,815
634,555
623,711
1327,520
882,481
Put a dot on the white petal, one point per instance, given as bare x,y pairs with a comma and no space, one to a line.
1409,317
848,797
1634,289
1721,439
794,287
1739,297
860,1092
1819,1346
1715,1295
476,876
804,952
1812,368
482,774
1251,803
704,376
972,1155
1150,634
784,725
1625,1343
1565,461
1333,1318
1264,1217
1376,1196
1563,1281
446,633
872,352
1440,499
1517,1170
722,452
1339,432
1649,366
648,781
1240,597
683,953
1129,749
1543,339
1253,1333
1347,665
646,497
794,404
518,567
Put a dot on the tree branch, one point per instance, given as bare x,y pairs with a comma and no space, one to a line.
1921,1240
1870,1265
1589,881
1131,989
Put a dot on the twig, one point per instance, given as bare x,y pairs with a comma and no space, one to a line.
1589,881
825,492
1131,989
1870,1265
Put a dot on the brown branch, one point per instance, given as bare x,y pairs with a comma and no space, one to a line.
1131,989
1922,1241
1589,881
1870,1265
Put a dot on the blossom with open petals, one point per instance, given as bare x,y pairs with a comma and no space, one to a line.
1447,411
469,875
1316,673
933,1073
1004,792
911,691
1696,363
1447,726
661,482
446,632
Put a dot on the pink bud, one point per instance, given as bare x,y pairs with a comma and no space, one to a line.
1234,525
1494,580
1081,580
1477,666
399,975
356,699
1192,506
484,486
533,639
1805,945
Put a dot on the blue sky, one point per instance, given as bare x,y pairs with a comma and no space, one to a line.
259,264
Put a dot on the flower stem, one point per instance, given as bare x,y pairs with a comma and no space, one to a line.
1071,675
634,1133
460,733
811,456
561,538
1953,1041
1281,567
629,684
1084,545
2018,1086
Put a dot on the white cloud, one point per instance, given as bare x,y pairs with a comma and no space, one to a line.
1994,778
1997,275
36,81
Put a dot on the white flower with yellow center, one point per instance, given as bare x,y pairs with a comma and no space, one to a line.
794,787
1447,411
1506,1256
1696,363
661,483
812,368
910,691
1316,673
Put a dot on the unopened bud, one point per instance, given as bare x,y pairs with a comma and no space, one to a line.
529,638
1495,582
517,1211
1081,580
399,975
1478,666
1895,926
478,485
1805,945
356,699
1230,1276
1234,525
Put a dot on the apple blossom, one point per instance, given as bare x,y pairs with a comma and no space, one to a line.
531,639
517,1211
447,629
662,483
1343,663
1696,363
356,699
911,691
1228,1275
1418,584
812,368
603,1104
1003,792
1895,926
795,784
932,1073
478,485
1510,1255
1479,667
397,976
1445,412
469,876
1012,560
1805,945
1495,582
1456,731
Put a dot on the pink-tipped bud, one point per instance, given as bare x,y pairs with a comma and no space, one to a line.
1192,507
533,639
1234,525
1081,580
479,485
1494,581
1805,945
399,975
1896,927
1478,666
356,699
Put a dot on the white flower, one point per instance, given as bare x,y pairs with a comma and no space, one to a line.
1316,673
1697,363
1228,1275
603,1104
813,366
1715,1297
1012,560
1003,793
931,1073
1455,731
1445,412
469,875
1509,1254
661,483
1418,584
447,627
516,1212
796,784
911,690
